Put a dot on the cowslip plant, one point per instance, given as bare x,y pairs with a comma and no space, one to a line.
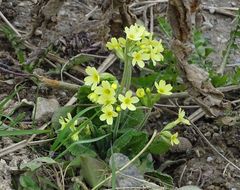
117,112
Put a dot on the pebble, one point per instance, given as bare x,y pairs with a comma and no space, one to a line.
123,181
189,187
209,159
212,10
45,108
207,134
184,145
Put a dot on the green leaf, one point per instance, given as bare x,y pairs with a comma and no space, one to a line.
37,163
131,141
75,147
79,60
165,26
159,146
61,112
145,81
28,183
4,133
83,92
161,178
93,170
132,119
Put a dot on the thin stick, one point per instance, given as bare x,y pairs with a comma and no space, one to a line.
129,163
9,24
208,142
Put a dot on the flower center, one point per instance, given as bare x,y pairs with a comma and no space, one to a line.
127,101
161,90
95,77
138,57
109,114
107,91
131,36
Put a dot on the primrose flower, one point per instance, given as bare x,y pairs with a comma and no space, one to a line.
65,121
114,86
174,139
135,32
93,97
140,92
139,57
113,45
163,88
155,55
128,101
93,79
181,119
122,42
105,89
106,100
118,108
108,114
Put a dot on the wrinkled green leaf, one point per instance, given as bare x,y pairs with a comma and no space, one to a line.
131,141
159,146
93,170
28,183
37,163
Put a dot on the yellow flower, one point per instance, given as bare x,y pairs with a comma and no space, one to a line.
122,42
65,121
113,45
118,109
128,101
163,88
108,114
105,89
93,78
181,119
114,86
140,92
139,57
93,97
155,55
106,100
174,139
135,32
148,90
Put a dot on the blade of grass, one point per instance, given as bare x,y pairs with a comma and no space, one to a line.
4,133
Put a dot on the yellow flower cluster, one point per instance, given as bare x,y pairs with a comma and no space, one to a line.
104,93
166,130
64,122
140,46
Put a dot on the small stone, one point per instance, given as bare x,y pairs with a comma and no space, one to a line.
189,187
45,108
123,180
207,134
184,145
212,10
216,135
233,4
209,159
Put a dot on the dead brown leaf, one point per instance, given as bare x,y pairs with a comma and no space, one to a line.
197,80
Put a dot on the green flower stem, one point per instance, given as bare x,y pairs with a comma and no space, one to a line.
127,74
116,126
125,84
144,121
